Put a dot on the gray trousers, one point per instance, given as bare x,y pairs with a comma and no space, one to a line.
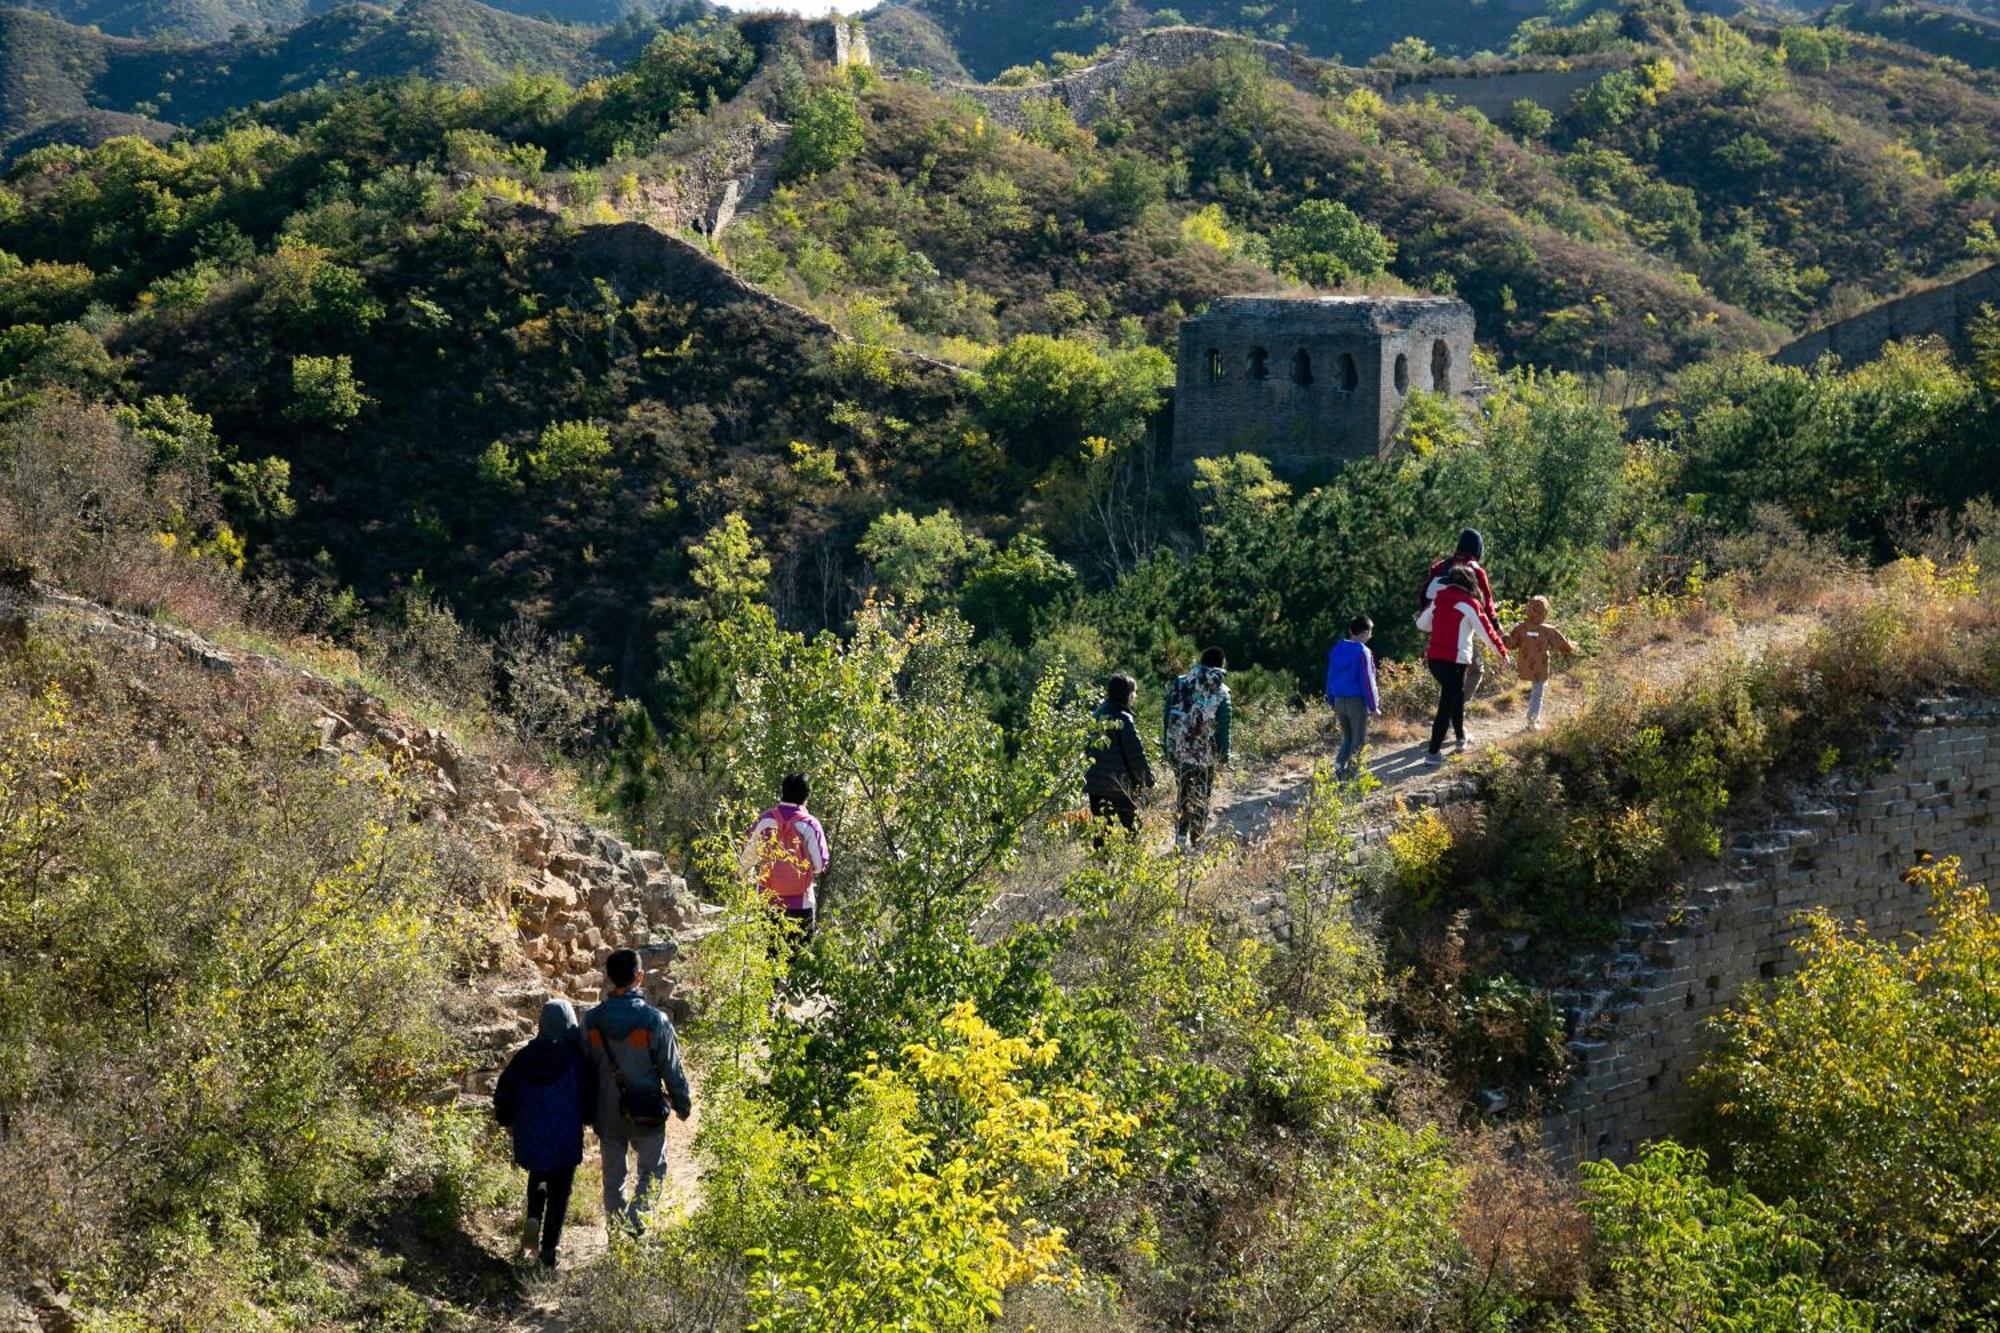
652,1153
1535,693
1352,710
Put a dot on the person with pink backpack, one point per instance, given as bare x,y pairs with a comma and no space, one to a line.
787,852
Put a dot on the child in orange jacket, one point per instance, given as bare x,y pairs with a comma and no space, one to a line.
1533,642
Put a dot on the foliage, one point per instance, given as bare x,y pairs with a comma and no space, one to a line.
826,132
1842,452
325,392
1678,1252
1047,395
1325,243
917,558
209,1087
1862,1088
895,1227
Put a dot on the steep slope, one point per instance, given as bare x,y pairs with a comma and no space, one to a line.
198,21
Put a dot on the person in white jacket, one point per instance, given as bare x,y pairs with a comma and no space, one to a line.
1455,622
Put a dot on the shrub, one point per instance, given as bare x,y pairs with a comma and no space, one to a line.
1861,1089
1678,1252
827,131
325,392
194,1094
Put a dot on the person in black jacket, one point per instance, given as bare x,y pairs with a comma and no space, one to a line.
546,1095
1118,771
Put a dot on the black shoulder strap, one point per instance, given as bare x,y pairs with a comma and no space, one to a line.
610,1057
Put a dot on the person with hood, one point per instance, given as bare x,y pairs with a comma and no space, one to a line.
1455,623
634,1049
1197,740
1118,771
1471,549
546,1095
1533,641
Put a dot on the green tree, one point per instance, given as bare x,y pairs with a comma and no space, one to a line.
572,453
325,392
1865,1088
1679,1253
1324,242
915,559
827,131
1048,395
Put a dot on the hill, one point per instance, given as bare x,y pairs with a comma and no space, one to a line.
209,21
1941,30
51,71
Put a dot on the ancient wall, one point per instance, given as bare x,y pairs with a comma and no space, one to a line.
1641,1011
1305,380
1087,91
1492,94
1940,312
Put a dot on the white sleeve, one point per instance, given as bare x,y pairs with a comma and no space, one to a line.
816,850
1474,624
1424,616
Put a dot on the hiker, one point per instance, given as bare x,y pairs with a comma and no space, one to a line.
545,1096
633,1047
1197,741
1350,688
788,852
1118,769
1533,641
1455,623
1471,549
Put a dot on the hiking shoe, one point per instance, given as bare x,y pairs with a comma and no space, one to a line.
1462,746
1435,759
531,1234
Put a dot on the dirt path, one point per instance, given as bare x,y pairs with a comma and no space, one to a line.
1249,801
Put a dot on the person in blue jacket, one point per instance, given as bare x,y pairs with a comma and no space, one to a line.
546,1095
1350,688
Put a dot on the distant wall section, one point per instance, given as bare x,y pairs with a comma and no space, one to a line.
1087,91
1944,312
1493,94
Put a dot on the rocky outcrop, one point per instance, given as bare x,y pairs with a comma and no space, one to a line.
563,893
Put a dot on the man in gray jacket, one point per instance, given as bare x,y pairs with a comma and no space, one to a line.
635,1051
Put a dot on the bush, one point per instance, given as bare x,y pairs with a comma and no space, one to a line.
1675,1251
1860,1089
827,131
193,1095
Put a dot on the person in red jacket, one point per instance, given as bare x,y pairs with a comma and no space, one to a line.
1471,549
1456,623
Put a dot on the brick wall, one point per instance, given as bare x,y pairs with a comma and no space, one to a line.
1641,1011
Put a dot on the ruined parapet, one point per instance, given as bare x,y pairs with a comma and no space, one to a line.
1306,380
1945,312
1493,92
1640,1012
835,40
1086,93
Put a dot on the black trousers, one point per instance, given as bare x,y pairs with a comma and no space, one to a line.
1451,701
548,1199
1106,805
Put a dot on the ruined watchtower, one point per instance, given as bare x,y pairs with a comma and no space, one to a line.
1305,380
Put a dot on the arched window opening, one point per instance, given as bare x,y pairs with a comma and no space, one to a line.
1215,365
1402,373
1260,364
1440,367
1350,374
1302,367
